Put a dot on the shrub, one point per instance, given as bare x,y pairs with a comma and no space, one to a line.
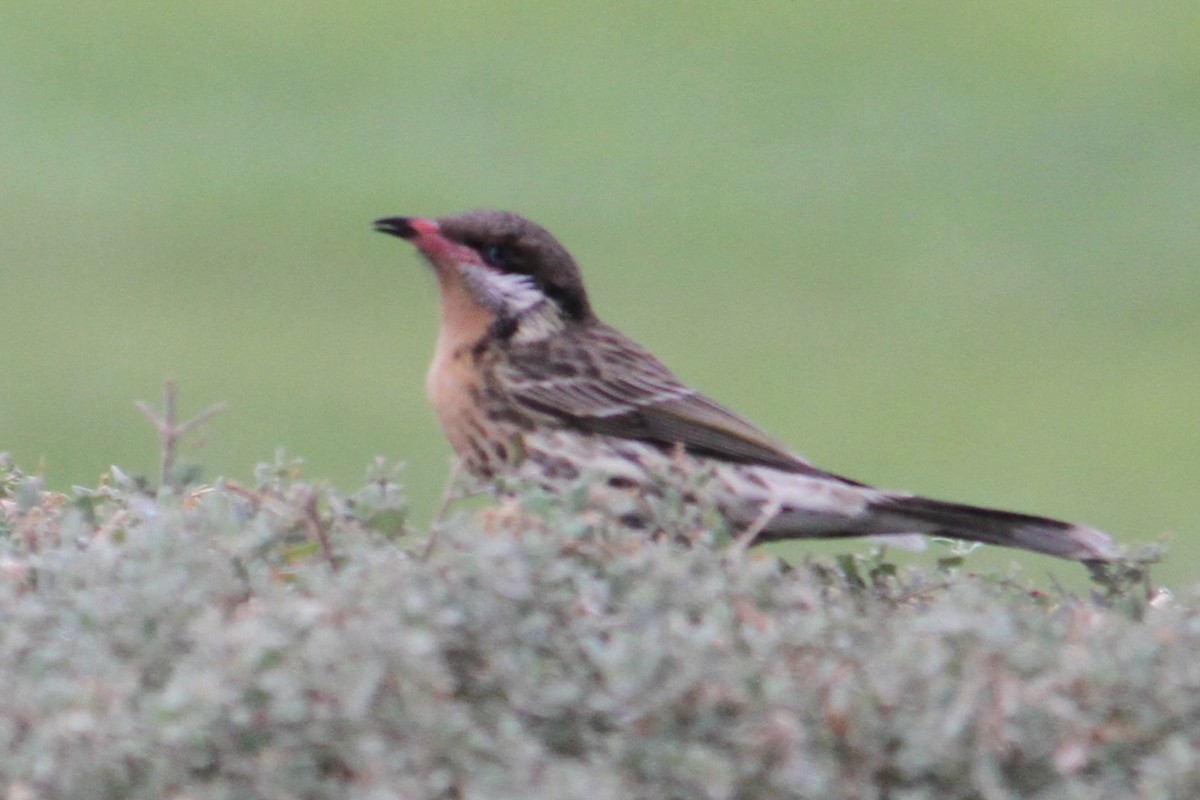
289,641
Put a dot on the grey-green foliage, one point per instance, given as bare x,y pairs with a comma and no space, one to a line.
287,641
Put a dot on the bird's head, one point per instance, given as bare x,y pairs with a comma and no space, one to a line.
512,267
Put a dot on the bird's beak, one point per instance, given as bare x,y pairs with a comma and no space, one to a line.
396,226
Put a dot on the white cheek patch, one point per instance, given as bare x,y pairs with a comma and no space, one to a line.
509,294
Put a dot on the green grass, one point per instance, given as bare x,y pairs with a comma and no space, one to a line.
939,247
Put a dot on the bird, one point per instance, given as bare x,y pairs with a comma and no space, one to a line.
531,388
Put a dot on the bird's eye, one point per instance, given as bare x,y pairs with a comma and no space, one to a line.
497,255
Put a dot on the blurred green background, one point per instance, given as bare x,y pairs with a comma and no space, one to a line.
947,247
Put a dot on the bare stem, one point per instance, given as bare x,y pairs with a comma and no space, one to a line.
450,493
745,539
170,430
320,529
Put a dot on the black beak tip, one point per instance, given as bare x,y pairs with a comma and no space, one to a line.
396,226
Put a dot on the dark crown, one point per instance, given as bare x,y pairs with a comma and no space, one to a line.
510,243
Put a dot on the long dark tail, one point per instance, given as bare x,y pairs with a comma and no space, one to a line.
865,511
993,526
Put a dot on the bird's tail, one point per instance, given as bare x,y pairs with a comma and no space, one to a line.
847,510
1054,537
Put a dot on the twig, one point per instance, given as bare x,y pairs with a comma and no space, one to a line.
449,495
170,430
319,529
742,542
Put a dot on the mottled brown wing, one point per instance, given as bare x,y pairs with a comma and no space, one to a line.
615,387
